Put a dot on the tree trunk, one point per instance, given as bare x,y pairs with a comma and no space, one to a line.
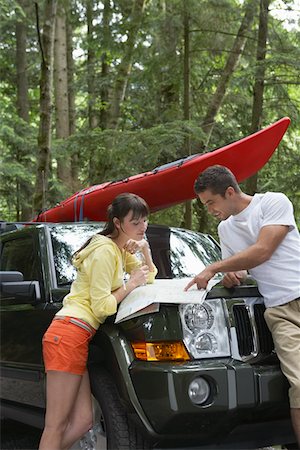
124,68
71,90
92,115
46,41
71,100
104,91
61,95
186,99
23,209
258,91
21,67
166,44
232,61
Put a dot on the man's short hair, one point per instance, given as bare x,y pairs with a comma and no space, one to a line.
216,179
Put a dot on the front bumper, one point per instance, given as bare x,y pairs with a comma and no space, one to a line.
242,396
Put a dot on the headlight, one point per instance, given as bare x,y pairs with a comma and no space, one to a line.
205,332
198,317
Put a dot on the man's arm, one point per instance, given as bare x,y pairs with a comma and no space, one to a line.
267,242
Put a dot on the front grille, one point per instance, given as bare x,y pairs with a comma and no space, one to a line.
244,330
253,335
266,344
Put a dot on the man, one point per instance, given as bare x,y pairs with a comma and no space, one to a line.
259,234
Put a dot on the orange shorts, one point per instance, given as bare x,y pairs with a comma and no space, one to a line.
66,345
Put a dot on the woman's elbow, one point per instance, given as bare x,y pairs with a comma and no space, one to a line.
151,276
105,309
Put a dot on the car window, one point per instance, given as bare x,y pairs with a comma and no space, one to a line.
66,239
176,252
20,255
190,252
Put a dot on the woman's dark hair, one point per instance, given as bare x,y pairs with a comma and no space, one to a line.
216,179
119,208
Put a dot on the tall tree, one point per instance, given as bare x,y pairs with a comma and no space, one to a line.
21,65
46,40
154,93
231,64
104,82
93,119
23,209
91,57
258,90
71,98
124,68
167,47
61,88
186,97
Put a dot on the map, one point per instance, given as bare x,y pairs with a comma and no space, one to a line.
161,291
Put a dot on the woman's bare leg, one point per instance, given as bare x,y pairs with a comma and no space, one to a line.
81,418
62,389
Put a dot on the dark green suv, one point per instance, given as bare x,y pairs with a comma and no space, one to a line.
177,375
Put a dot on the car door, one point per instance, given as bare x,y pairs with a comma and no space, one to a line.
23,322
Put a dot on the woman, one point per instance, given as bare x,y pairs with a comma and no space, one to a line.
99,286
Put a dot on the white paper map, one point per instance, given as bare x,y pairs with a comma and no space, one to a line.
161,291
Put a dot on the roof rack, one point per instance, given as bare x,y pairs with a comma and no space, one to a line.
10,226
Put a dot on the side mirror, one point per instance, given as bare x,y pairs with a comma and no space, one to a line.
15,290
11,276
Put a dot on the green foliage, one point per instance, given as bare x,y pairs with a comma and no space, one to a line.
151,131
17,166
169,216
118,154
282,171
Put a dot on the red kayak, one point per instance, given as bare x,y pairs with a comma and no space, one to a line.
171,183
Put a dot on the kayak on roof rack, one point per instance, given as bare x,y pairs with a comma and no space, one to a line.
171,183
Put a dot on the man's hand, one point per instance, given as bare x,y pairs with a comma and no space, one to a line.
201,279
231,279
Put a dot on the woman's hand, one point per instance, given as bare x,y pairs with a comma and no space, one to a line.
143,248
138,277
133,246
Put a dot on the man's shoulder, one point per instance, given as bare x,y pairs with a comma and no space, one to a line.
273,198
272,194
224,224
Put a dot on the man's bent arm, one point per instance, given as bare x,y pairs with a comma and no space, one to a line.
268,240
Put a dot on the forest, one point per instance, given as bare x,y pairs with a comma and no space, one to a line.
93,91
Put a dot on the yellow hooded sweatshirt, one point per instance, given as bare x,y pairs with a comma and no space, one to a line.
100,271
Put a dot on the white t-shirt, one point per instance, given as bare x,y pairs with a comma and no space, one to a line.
278,279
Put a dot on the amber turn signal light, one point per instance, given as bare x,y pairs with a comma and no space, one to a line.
160,351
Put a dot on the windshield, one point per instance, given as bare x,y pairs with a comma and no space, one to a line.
190,252
177,253
66,240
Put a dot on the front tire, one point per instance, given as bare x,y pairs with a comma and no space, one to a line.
120,433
